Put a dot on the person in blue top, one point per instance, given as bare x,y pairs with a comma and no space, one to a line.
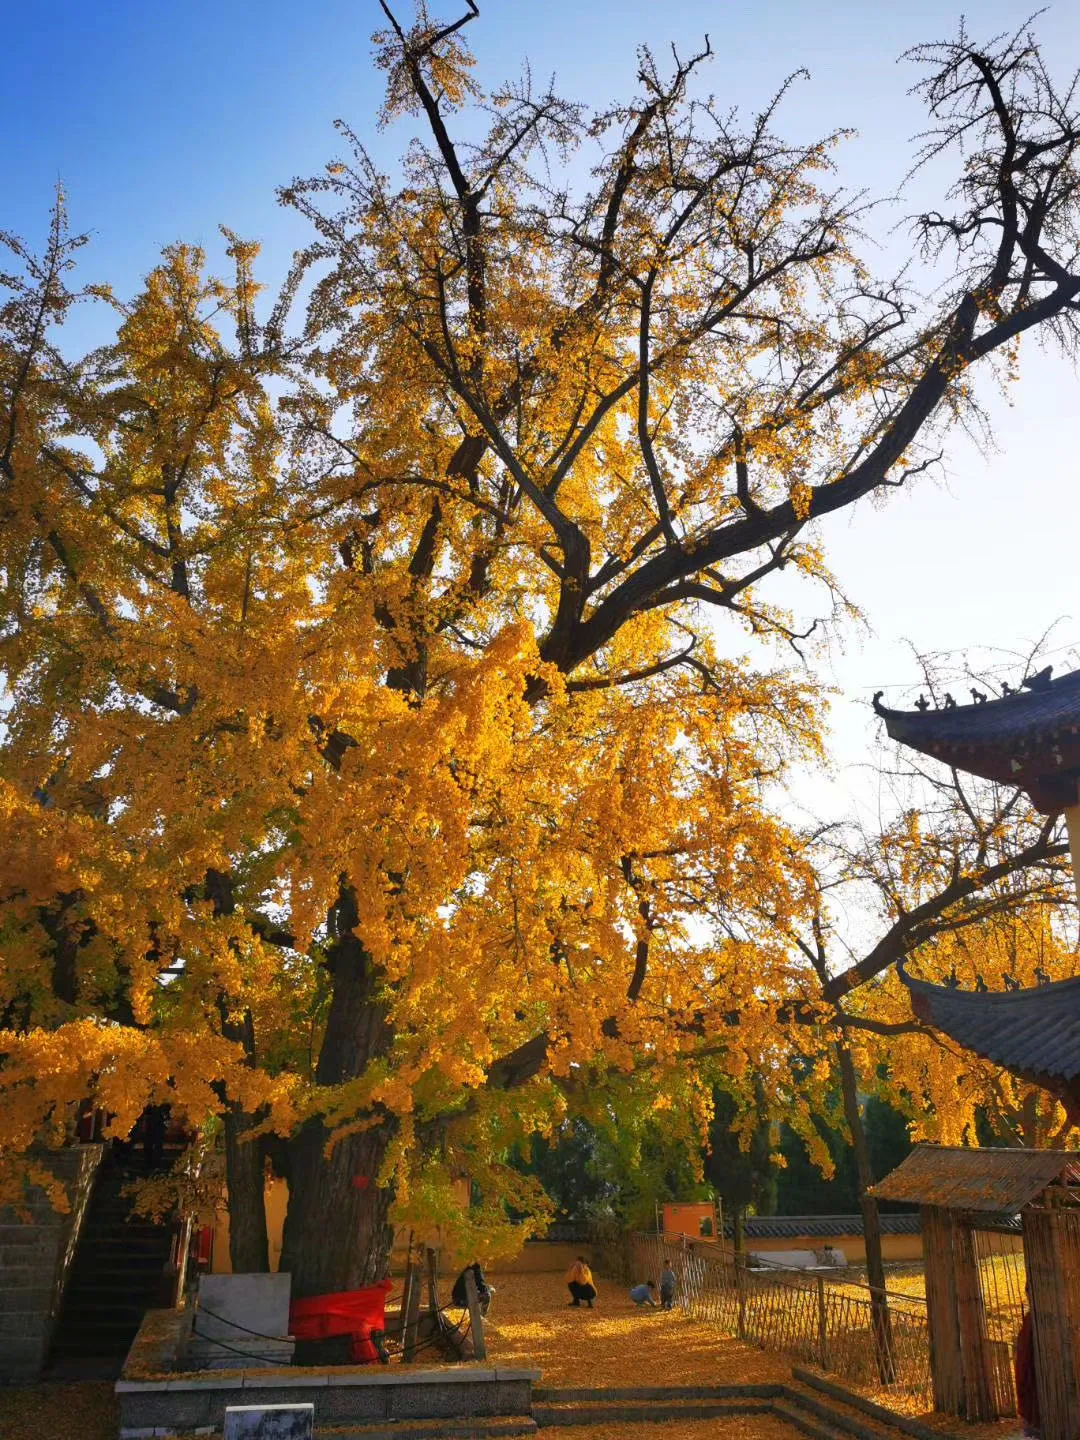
644,1294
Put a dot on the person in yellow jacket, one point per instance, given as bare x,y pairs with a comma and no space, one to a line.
580,1283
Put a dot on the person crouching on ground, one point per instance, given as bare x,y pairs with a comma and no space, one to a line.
580,1283
644,1294
667,1287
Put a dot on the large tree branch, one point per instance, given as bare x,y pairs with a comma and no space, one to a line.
915,926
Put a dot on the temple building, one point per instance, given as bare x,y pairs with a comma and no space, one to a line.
1029,738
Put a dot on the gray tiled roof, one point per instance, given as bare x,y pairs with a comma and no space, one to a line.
1033,1032
824,1227
1008,722
1030,740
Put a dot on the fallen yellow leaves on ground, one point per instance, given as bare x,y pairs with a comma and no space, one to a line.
83,1411
617,1343
738,1427
530,1325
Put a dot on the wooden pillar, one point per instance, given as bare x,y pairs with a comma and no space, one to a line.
476,1319
410,1309
945,1363
822,1324
979,1399
1052,1256
433,1282
1072,824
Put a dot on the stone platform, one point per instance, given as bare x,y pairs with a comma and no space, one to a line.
169,1402
340,1398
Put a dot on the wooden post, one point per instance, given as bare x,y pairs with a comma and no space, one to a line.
476,1319
406,1300
971,1316
822,1325
1052,1271
410,1310
938,1264
433,1284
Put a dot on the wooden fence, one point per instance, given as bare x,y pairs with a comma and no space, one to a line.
805,1316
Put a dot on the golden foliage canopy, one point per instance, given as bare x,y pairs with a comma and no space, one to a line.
368,750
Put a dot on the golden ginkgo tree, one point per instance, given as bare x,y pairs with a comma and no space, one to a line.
373,778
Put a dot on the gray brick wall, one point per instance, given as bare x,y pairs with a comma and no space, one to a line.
36,1252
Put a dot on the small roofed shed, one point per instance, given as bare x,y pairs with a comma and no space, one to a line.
960,1190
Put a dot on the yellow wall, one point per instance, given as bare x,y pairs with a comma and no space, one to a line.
277,1198
894,1248
542,1256
686,1219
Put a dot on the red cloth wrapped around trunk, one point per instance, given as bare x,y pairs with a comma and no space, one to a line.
355,1313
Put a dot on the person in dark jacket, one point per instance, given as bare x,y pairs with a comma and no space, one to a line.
484,1291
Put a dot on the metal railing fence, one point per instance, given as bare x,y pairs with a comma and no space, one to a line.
836,1326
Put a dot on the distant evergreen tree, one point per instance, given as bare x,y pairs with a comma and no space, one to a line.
743,1179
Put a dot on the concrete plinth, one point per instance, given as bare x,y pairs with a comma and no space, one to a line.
241,1322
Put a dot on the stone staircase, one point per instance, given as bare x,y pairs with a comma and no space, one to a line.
116,1276
612,1406
810,1406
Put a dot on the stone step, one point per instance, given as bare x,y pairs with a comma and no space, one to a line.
823,1415
78,1344
632,1412
478,1427
844,1401
101,1335
844,1421
106,1277
567,1395
794,1416
86,1313
125,1234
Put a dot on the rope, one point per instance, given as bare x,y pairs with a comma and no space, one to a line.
245,1354
259,1335
441,1337
445,1333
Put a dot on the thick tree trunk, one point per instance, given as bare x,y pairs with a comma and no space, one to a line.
875,1264
337,1235
337,1231
249,1248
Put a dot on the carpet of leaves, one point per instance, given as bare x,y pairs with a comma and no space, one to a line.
617,1343
531,1326
83,1411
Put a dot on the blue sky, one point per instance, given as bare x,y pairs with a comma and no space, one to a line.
164,120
